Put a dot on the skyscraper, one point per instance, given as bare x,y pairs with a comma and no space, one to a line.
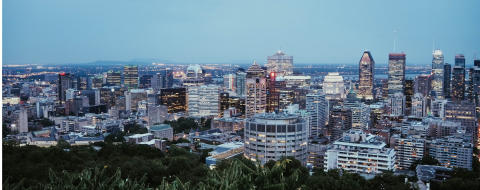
419,105
334,86
255,71
447,79
409,91
276,83
204,101
64,83
317,105
460,60
230,82
458,83
396,73
437,73
280,63
131,76
168,78
422,84
174,98
256,96
366,76
241,82
157,81
340,120
114,78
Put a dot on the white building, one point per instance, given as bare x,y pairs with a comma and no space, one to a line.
419,105
90,129
397,104
359,152
409,148
230,82
270,136
20,120
256,96
204,101
162,131
157,114
317,105
439,107
333,86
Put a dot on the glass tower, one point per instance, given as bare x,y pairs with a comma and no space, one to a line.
437,73
131,76
447,79
366,76
396,73
458,83
280,63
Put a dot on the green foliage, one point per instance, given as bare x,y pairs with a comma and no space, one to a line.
63,144
47,122
135,129
426,160
5,130
182,124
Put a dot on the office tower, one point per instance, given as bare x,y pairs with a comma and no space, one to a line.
286,97
317,105
272,128
419,105
297,81
82,83
130,80
195,76
464,112
460,60
447,80
474,86
409,91
396,73
476,63
133,97
451,152
300,97
273,91
368,146
224,102
438,107
145,81
120,103
174,98
109,94
20,119
397,103
157,81
458,83
384,89
241,83
366,76
422,84
93,96
97,82
280,63
168,78
157,114
437,73
230,82
238,102
256,71
204,101
114,78
256,96
333,86
64,83
360,111
340,120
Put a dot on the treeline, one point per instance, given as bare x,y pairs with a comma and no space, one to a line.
128,166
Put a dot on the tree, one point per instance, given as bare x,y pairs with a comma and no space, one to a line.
208,124
5,130
427,160
63,144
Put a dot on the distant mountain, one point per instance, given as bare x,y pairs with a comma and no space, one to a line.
153,60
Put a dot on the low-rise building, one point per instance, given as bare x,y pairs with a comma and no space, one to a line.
228,124
162,131
451,151
138,138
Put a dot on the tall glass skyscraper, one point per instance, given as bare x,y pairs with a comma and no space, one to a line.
447,79
460,60
366,76
437,73
458,83
396,73
131,76
409,91
114,78
280,63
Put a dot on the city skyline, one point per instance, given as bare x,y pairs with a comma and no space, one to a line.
234,32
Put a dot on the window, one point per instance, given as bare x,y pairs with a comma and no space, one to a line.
270,128
291,128
281,128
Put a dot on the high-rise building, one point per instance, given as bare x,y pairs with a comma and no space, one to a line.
317,105
360,111
422,84
384,90
437,73
276,83
256,71
340,120
409,91
241,83
451,152
256,96
297,81
230,82
174,98
354,151
280,63
195,76
158,81
131,76
447,80
333,86
20,119
64,83
474,85
238,102
157,114
408,148
108,95
397,104
464,112
476,63
97,82
133,97
286,133
460,60
419,105
145,81
366,76
458,83
224,102
114,78
396,73
168,78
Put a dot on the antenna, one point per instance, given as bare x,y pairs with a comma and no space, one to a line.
433,47
394,36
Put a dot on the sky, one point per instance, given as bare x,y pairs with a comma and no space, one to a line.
205,31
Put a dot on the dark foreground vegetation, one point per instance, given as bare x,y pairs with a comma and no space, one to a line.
128,166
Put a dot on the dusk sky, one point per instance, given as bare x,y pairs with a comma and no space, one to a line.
236,31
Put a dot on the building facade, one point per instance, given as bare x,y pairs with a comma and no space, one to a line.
438,73
396,73
366,76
